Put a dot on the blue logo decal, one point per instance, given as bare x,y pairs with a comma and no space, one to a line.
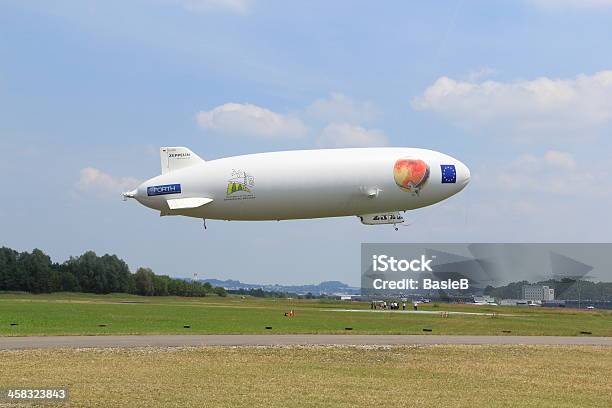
164,189
449,174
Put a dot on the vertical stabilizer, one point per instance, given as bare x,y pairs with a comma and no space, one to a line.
176,158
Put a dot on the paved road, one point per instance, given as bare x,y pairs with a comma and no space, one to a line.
428,312
7,343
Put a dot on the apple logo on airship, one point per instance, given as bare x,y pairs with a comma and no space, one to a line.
410,174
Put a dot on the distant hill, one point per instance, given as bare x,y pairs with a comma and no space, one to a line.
323,288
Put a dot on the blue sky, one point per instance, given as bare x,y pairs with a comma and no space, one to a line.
521,91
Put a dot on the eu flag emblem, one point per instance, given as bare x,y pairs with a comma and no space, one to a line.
449,174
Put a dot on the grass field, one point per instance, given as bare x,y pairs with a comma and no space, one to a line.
424,376
73,314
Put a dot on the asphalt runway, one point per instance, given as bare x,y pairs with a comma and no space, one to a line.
35,342
428,312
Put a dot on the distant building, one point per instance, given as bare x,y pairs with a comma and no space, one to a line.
513,302
538,293
483,299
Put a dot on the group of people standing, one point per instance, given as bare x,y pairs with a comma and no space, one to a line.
388,306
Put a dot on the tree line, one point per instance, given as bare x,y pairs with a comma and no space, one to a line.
260,293
35,272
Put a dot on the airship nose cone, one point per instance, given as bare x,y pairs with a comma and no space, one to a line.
463,174
130,194
139,193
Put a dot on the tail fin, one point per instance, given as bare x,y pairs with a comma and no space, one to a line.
176,158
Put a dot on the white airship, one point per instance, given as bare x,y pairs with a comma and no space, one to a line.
374,184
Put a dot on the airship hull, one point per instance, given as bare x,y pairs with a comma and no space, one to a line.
304,184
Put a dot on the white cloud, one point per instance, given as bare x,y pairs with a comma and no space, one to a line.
250,120
480,74
554,172
346,135
561,4
340,108
560,159
526,108
235,6
341,114
92,179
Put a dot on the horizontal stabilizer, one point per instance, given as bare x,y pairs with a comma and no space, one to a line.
176,158
182,203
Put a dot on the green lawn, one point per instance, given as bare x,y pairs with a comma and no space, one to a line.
72,314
